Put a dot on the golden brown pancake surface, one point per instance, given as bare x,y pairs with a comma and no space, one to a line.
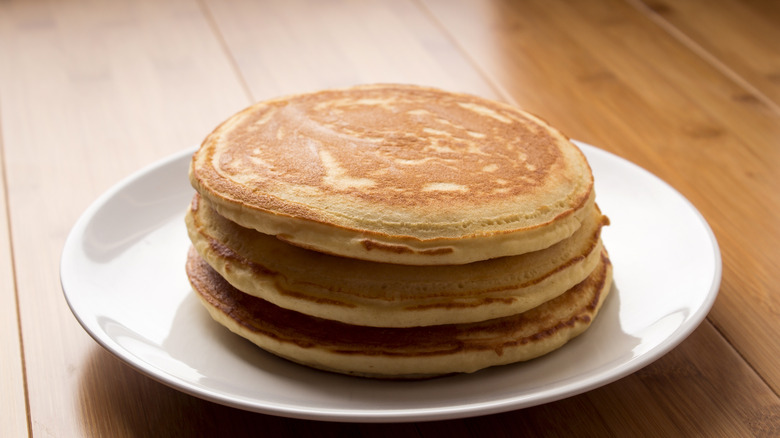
396,173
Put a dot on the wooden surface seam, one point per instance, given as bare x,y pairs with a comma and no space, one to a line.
700,51
209,17
495,85
14,410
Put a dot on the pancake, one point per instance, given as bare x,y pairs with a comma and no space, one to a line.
388,295
396,173
401,353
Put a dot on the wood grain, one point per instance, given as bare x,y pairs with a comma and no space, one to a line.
283,47
612,79
679,395
738,37
13,409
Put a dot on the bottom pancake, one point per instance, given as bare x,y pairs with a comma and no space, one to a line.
401,353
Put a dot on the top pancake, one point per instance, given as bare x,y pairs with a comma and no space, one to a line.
396,173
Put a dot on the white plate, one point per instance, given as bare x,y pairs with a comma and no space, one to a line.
122,272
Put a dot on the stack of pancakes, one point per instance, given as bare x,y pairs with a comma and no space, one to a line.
395,231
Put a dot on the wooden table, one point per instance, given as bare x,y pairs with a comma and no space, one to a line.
92,91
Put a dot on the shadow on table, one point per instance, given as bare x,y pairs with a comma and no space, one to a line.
117,401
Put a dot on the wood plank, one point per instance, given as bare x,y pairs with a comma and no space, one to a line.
89,94
284,47
703,388
610,78
664,399
13,409
699,389
740,37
